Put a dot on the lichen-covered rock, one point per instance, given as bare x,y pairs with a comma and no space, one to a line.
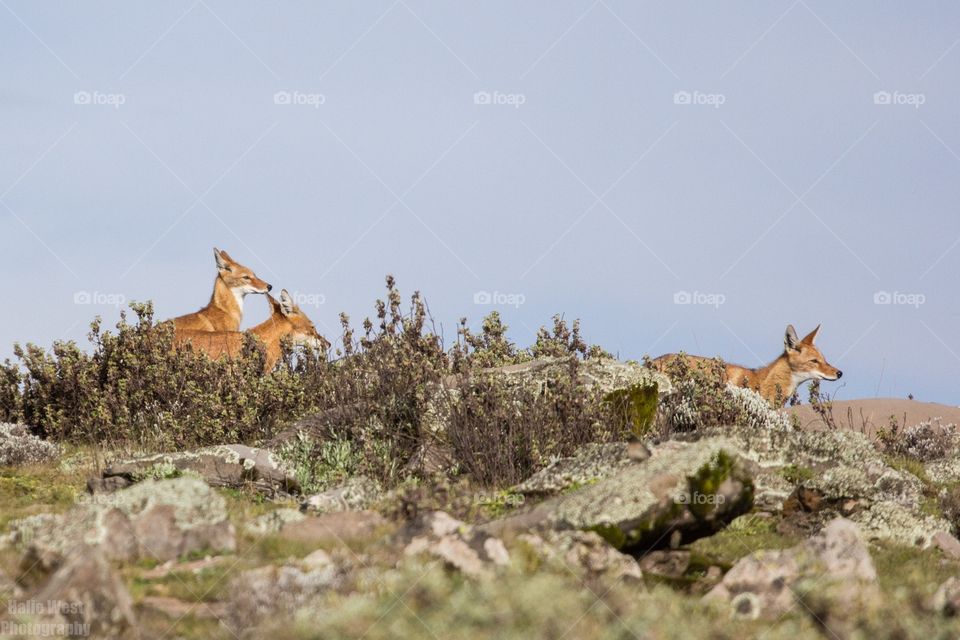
159,519
591,463
684,491
835,562
274,521
19,446
459,545
946,601
229,465
259,593
355,494
83,598
899,524
582,552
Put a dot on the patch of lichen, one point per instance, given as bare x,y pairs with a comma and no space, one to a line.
636,406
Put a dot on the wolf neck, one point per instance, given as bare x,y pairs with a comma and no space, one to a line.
272,330
777,379
228,300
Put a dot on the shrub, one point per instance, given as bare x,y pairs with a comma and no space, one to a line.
501,433
18,446
928,440
133,390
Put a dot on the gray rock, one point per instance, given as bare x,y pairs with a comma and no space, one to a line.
230,465
85,595
266,591
459,545
835,562
682,492
584,553
274,521
591,463
159,519
355,494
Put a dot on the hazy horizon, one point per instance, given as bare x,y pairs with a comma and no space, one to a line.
679,177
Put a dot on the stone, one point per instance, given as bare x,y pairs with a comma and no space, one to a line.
230,465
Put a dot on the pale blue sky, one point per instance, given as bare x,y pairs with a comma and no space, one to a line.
584,188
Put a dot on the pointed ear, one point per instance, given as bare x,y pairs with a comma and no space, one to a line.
286,303
810,337
790,339
274,305
223,260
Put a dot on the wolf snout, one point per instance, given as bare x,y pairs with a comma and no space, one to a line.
839,374
269,288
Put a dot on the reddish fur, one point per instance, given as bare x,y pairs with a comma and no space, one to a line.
776,381
223,312
218,344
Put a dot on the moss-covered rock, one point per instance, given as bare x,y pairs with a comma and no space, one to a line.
682,492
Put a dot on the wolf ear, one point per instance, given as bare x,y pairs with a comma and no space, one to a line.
286,303
223,260
810,337
790,340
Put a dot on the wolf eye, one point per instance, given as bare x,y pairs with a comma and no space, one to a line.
815,361
247,278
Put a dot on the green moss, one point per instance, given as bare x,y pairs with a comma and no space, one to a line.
796,474
707,480
745,535
909,465
636,406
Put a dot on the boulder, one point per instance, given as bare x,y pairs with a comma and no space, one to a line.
583,552
835,563
157,519
684,491
229,465
355,494
266,591
591,463
84,597
457,544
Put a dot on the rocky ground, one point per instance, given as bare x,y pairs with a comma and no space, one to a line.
761,529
